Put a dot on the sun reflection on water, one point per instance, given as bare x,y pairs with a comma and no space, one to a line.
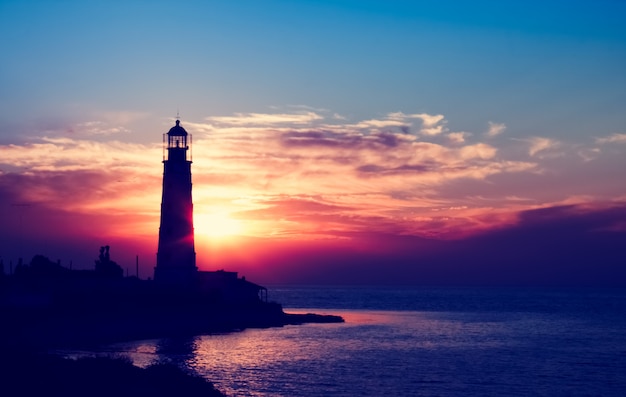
253,362
398,353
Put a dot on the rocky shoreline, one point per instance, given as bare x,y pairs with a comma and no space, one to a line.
29,334
31,374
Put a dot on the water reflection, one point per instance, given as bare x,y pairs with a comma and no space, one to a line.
397,353
178,350
382,346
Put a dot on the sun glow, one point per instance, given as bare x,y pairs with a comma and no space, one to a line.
217,225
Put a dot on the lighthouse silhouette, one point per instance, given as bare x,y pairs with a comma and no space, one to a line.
176,256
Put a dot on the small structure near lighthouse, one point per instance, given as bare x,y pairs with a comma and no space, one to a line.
176,256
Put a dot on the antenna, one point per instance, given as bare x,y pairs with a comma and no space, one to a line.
177,114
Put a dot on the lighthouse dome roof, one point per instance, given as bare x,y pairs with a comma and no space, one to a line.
177,130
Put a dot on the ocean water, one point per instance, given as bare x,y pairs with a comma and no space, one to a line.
415,342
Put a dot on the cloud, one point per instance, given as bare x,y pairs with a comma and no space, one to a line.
362,177
67,154
121,117
242,119
615,138
556,246
458,137
98,128
480,151
589,154
345,139
495,129
431,124
327,179
427,124
85,124
379,124
539,144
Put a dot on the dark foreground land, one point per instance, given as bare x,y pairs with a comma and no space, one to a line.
40,314
26,370
39,330
33,374
46,313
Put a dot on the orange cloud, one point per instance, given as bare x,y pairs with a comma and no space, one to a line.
308,176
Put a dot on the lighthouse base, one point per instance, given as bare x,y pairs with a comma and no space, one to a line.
176,276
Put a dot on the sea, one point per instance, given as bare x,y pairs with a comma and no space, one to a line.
413,341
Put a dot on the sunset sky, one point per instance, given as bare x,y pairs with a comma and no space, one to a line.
449,142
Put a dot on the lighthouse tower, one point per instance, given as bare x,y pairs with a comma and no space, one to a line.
176,256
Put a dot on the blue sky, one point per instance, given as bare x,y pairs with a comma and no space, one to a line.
313,121
529,64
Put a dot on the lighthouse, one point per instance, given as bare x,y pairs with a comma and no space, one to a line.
176,256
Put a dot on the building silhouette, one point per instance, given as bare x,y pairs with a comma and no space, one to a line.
176,256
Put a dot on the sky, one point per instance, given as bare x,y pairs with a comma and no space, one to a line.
334,142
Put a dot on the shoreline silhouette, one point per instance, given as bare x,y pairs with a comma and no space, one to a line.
38,374
45,305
